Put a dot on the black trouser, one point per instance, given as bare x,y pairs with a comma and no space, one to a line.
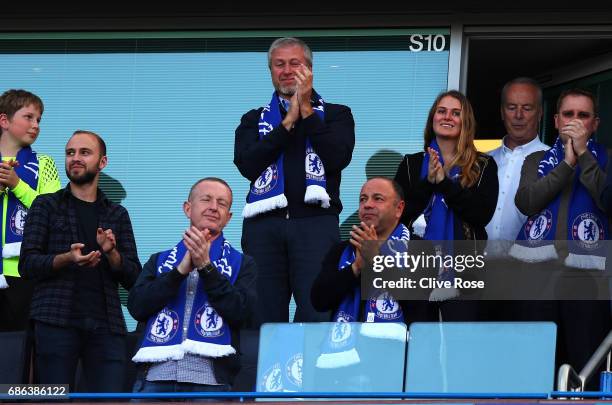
102,354
289,253
15,304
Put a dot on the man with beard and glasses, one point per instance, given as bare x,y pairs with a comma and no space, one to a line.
78,245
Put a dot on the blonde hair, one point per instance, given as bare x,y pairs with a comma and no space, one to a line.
467,155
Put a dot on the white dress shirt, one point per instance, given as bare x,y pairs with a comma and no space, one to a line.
507,219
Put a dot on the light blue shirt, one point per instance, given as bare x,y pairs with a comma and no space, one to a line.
507,219
286,104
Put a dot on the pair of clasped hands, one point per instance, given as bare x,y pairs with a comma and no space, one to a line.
576,137
300,100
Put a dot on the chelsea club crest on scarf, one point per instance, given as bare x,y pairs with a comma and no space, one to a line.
384,306
588,231
538,227
268,190
207,334
18,217
586,227
267,181
208,322
164,327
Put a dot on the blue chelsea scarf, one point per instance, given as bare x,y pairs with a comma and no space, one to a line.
587,226
16,213
338,350
207,333
268,191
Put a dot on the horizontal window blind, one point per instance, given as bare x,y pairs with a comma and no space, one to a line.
167,108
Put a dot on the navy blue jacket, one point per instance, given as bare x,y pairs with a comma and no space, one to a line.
332,139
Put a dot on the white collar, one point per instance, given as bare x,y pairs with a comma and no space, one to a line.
506,149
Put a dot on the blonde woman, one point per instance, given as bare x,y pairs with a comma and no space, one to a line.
450,188
452,168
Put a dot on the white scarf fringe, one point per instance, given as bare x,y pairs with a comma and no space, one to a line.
419,225
207,349
585,261
157,354
11,250
3,283
533,254
261,206
315,193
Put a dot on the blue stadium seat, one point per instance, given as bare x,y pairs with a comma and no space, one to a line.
331,357
481,357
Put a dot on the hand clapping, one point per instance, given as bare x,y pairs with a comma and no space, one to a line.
435,171
198,248
364,252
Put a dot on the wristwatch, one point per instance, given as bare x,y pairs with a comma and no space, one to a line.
207,268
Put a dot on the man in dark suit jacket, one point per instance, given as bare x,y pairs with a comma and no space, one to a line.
293,152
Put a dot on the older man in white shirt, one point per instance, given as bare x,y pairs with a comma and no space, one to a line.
521,111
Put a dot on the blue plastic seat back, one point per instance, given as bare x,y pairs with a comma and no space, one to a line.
481,357
331,357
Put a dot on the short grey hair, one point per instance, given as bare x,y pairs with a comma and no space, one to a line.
290,41
213,179
523,80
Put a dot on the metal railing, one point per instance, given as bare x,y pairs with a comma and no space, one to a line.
241,396
569,380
